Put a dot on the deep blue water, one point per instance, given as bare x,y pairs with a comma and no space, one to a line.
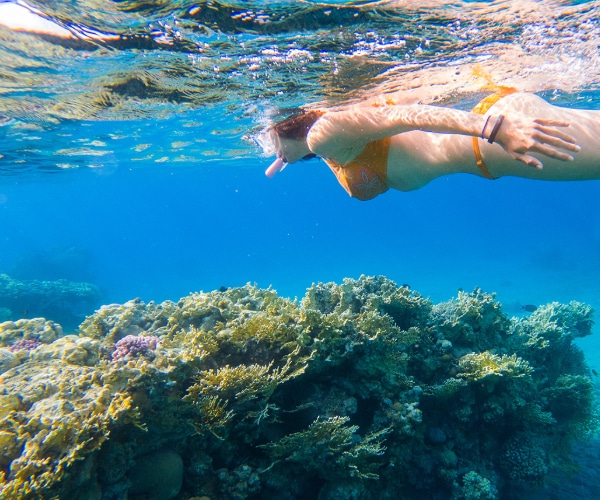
162,231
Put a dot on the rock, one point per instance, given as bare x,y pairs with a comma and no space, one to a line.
7,360
158,475
435,435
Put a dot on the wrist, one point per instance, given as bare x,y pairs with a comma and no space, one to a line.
495,129
485,126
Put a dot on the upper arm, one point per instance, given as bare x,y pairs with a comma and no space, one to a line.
328,138
342,135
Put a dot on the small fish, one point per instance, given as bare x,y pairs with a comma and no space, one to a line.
223,288
529,308
595,373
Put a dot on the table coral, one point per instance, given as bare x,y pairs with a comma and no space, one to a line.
363,389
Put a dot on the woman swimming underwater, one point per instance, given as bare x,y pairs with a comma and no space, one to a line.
371,148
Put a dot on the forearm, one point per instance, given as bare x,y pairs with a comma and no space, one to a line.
344,132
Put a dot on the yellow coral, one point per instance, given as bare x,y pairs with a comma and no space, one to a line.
242,382
476,366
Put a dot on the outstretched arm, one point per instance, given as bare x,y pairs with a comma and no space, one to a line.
342,135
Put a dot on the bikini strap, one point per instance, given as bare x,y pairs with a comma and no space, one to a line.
482,108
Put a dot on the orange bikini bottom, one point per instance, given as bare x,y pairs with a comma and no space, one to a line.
482,108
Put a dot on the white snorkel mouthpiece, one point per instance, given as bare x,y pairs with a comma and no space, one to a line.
277,166
266,142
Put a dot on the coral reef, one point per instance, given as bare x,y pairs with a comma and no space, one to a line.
363,389
65,302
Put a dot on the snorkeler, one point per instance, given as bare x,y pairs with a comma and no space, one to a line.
371,148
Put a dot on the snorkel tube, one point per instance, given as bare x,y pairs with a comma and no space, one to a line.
265,141
277,166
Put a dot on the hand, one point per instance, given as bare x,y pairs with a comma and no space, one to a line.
520,137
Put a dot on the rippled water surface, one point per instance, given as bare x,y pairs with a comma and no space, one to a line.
208,74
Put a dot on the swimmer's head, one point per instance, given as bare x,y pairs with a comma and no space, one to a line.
289,136
287,139
296,127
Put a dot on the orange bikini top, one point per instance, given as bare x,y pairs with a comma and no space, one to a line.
366,176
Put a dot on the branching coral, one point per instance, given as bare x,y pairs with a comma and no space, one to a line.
242,382
220,394
554,324
525,460
476,366
330,446
405,306
476,487
473,320
571,402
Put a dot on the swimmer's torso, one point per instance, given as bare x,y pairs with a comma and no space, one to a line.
415,158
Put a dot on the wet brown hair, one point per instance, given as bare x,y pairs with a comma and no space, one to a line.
297,125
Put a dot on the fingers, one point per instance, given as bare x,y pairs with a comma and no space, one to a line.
543,138
552,153
548,136
559,134
557,142
552,123
529,160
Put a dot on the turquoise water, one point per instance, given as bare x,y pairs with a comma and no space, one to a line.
130,163
174,199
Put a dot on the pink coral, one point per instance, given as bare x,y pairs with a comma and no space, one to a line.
133,345
25,344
